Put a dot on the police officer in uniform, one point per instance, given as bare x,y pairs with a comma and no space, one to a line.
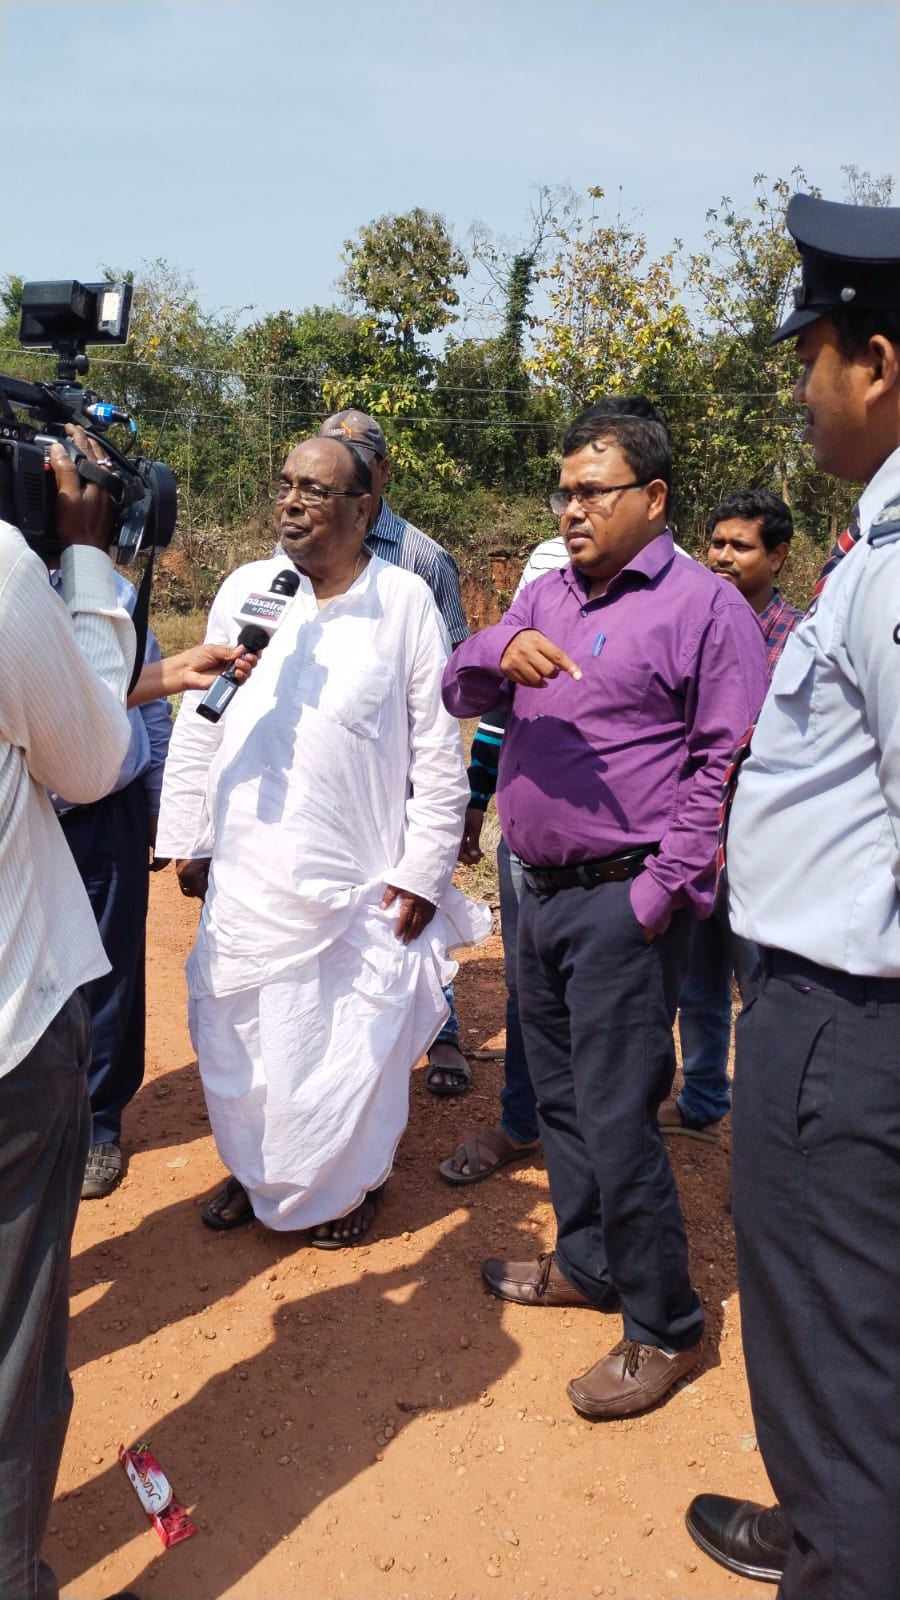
814,878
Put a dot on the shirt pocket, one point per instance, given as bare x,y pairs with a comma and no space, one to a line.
618,695
790,738
357,694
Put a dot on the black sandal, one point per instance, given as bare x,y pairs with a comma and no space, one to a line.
462,1071
372,1198
211,1214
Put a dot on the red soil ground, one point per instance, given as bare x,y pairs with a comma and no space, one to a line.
368,1423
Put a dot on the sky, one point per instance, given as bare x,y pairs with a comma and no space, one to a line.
244,141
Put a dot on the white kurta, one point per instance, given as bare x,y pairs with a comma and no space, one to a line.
334,771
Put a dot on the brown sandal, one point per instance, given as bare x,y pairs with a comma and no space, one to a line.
500,1152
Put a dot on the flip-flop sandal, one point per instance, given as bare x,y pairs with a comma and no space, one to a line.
469,1154
372,1198
211,1214
449,1090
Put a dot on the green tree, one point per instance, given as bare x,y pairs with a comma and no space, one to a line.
616,322
402,269
736,423
283,363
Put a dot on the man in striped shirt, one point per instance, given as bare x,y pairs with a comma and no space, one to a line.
404,545
392,537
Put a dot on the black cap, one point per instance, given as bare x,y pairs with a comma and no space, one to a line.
850,257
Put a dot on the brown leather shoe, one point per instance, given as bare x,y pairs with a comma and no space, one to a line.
631,1378
538,1283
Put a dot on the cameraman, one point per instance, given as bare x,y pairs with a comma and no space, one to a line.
64,670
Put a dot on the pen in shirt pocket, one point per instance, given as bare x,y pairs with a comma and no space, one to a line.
599,642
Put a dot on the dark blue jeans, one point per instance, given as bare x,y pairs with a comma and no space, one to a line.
449,1033
519,1108
704,1016
109,841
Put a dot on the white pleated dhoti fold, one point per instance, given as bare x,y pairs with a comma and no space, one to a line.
306,1077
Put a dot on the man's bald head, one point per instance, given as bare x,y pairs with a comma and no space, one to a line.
333,456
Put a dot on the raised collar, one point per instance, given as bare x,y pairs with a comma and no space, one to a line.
387,525
881,490
649,562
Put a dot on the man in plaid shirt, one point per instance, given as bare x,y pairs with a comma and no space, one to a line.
749,539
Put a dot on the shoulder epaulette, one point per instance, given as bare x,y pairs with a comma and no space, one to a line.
885,527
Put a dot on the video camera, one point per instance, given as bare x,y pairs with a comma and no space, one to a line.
64,317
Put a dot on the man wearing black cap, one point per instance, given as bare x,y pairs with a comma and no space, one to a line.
402,544
817,1105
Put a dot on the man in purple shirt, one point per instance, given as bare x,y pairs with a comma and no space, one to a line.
630,676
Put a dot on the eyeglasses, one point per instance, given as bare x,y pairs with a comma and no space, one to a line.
589,495
311,494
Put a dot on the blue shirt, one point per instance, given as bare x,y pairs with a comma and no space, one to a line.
151,724
403,545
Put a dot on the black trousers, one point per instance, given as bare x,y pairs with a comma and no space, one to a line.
597,1003
817,1213
109,841
44,1134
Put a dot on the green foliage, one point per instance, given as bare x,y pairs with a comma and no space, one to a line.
616,324
402,269
473,426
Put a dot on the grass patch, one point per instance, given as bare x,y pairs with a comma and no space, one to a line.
178,630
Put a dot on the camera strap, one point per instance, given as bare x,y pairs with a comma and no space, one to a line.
140,616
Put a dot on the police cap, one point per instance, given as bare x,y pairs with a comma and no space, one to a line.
850,257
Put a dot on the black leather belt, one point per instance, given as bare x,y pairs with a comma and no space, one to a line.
803,974
85,810
587,874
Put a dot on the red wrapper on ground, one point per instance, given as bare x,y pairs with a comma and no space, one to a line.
173,1524
154,1491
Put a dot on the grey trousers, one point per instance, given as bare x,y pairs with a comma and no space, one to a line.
45,1126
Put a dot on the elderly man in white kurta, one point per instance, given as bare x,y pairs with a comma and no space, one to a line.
329,803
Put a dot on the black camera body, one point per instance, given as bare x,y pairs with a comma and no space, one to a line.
64,317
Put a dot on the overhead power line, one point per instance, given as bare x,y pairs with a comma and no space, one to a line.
314,377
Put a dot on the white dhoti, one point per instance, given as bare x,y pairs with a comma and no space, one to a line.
335,771
306,1077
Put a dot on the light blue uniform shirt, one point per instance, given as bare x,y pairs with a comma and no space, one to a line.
814,837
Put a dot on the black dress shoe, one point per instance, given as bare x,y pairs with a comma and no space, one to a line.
747,1538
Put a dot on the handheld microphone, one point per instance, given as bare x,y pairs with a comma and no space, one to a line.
261,614
265,609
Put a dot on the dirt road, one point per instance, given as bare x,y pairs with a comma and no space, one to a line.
368,1423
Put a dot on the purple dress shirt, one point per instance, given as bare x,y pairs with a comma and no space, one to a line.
633,753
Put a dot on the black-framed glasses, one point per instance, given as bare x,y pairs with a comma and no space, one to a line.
590,494
311,494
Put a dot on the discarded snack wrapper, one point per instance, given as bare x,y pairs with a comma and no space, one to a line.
154,1491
